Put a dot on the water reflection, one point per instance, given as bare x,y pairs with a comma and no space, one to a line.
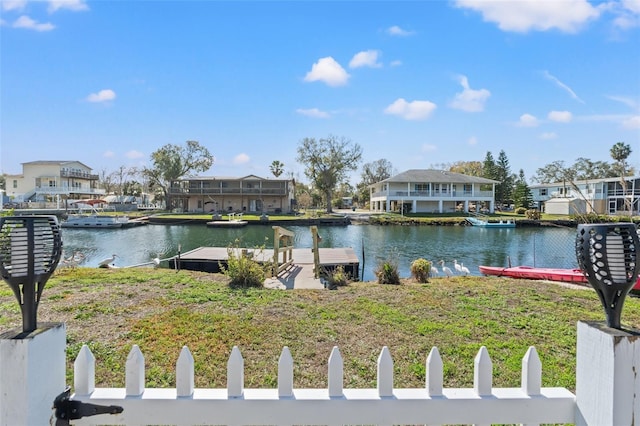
548,247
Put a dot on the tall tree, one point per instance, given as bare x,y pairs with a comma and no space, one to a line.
504,190
277,168
172,162
522,195
371,173
552,172
469,168
327,162
620,151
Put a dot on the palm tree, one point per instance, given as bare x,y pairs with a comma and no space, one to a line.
277,168
620,151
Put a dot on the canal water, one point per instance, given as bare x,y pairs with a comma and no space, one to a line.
541,247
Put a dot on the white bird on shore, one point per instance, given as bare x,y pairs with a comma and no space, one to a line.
433,272
464,269
457,266
105,263
445,270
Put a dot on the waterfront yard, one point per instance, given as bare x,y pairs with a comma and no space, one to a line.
162,310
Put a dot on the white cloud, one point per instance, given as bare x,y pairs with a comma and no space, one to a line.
397,31
548,136
470,100
13,4
527,120
630,102
427,147
104,95
328,71
109,154
241,159
632,122
73,5
560,116
627,13
313,113
563,86
134,155
414,110
395,63
367,58
25,22
472,141
534,15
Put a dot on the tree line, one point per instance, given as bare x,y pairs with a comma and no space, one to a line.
329,161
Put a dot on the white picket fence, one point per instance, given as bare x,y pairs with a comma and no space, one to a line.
184,405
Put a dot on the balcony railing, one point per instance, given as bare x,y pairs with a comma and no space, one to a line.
228,191
60,190
434,194
78,174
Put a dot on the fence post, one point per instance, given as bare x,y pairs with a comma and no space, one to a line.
32,373
607,382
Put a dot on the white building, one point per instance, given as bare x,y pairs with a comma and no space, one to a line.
601,196
432,191
51,180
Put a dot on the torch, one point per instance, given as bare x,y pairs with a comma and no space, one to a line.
30,249
608,256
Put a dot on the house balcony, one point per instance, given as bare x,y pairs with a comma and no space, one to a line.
228,191
78,174
433,195
56,190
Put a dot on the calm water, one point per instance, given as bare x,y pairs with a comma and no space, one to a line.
550,247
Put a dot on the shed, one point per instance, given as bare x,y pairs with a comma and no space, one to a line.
565,206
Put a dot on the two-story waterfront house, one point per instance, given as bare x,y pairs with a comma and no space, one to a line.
601,196
248,194
432,191
51,181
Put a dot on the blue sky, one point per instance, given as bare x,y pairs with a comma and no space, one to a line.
417,83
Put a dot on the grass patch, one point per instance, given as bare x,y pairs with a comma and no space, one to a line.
162,310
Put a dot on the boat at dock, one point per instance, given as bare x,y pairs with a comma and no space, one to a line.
89,216
487,224
234,221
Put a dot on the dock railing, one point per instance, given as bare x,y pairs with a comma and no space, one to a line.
316,252
282,243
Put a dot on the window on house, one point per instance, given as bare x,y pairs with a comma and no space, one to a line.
421,187
468,188
543,191
52,184
15,183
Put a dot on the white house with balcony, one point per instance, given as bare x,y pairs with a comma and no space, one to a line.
53,180
432,191
601,196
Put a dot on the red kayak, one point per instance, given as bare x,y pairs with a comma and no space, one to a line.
531,273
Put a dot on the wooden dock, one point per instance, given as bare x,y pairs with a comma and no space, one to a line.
208,259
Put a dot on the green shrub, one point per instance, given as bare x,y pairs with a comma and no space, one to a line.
521,210
533,214
387,272
338,277
420,270
242,270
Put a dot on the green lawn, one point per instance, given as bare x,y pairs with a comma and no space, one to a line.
162,310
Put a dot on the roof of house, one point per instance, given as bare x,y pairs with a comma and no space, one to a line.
582,182
54,162
248,177
436,176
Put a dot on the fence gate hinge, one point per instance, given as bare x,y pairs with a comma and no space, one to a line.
67,409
